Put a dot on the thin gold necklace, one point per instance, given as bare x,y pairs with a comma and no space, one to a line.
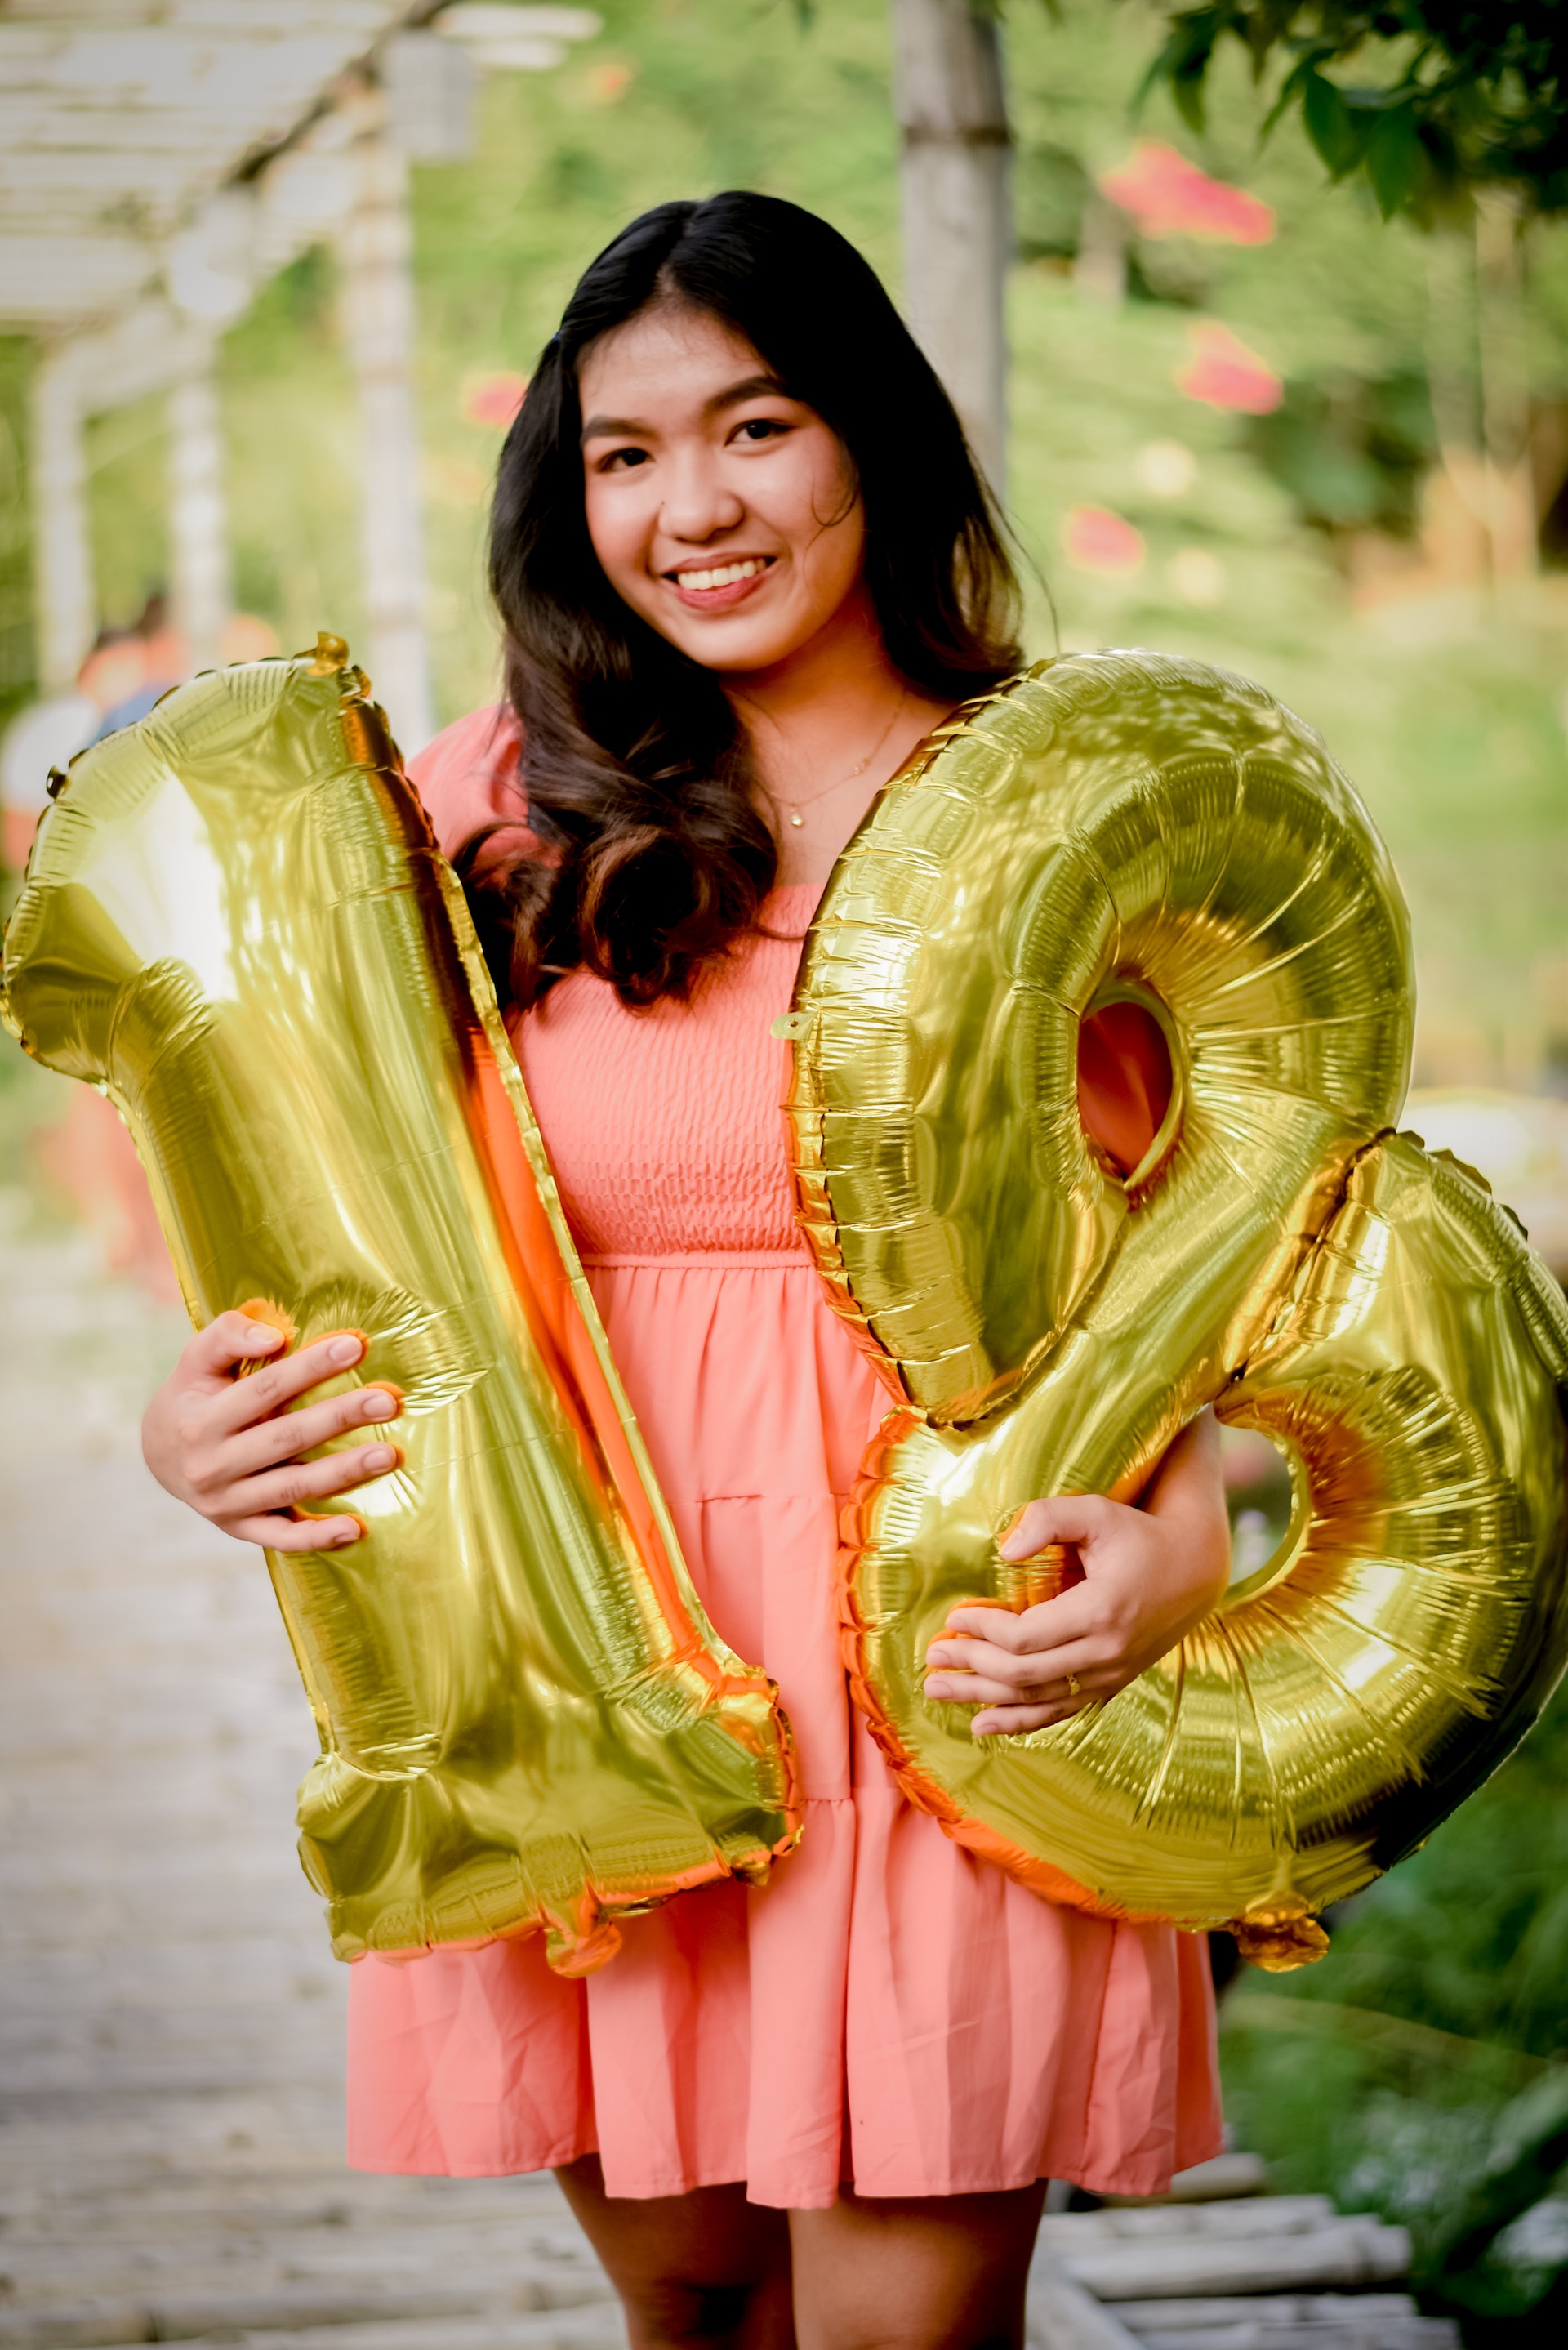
791,809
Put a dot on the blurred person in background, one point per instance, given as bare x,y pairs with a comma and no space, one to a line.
744,562
137,667
121,679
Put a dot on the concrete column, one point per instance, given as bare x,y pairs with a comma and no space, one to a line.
65,597
200,574
948,96
379,325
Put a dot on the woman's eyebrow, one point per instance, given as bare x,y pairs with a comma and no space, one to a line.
751,387
632,428
614,428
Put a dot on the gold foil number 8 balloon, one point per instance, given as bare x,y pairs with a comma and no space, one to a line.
1126,826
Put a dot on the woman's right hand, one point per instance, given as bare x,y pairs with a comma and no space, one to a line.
231,1448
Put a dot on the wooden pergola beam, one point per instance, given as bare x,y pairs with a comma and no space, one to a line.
160,160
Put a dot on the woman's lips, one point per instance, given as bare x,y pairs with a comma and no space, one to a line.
723,598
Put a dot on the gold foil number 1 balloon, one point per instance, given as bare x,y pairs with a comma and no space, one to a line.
1123,825
235,921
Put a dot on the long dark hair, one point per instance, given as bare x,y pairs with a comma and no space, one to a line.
637,774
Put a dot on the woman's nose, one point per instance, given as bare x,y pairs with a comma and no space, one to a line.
698,503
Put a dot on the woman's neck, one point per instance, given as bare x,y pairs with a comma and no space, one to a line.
827,728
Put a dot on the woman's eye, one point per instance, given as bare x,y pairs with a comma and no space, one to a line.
620,459
760,428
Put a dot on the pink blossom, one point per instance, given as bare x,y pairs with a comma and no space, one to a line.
494,399
1099,540
1169,196
1226,374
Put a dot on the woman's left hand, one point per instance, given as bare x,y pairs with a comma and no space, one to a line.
1151,1573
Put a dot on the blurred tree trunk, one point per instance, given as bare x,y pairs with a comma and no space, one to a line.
948,96
1458,526
1476,367
1505,381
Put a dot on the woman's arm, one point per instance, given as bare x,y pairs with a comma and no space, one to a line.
1150,1573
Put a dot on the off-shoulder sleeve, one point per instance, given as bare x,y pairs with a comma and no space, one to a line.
468,777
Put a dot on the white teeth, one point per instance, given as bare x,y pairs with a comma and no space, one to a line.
725,576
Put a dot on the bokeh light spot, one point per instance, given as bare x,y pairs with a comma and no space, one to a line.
494,399
1096,539
1224,373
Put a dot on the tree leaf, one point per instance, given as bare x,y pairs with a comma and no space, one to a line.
1491,81
1184,61
1187,89
1339,137
1290,90
1395,159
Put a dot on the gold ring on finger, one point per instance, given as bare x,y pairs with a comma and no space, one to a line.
1072,1685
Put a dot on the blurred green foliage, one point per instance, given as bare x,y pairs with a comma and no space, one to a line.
1384,2075
1464,94
1351,449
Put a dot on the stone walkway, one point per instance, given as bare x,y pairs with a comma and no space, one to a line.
171,2021
171,2017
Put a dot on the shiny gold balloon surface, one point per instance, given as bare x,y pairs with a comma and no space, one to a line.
1122,826
235,921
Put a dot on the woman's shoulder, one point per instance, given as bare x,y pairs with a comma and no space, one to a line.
468,777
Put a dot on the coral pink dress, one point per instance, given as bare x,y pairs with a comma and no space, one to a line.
889,2011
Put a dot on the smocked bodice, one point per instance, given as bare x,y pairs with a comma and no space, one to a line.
665,1127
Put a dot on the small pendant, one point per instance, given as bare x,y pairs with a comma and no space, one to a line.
796,818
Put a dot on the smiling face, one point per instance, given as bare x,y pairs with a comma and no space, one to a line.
723,513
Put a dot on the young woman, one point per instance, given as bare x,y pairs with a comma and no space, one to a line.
743,562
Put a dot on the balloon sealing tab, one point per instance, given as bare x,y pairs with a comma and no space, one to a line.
331,654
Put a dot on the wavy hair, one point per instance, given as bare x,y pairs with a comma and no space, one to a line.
639,776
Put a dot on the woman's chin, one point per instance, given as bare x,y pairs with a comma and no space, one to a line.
735,643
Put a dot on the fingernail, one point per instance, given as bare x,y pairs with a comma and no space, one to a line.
345,1350
378,1404
345,1536
261,1336
379,1456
